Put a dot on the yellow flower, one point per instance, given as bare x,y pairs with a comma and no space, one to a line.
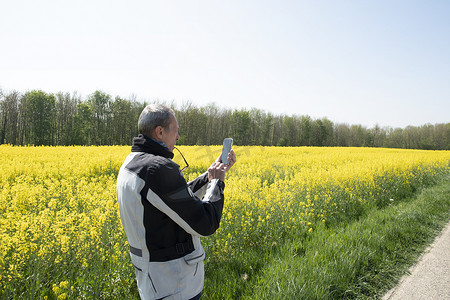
63,284
58,202
56,289
62,296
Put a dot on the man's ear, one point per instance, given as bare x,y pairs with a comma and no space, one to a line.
158,132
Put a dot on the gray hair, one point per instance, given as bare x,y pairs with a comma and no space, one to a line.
154,115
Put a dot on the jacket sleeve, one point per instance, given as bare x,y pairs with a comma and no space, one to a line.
198,183
173,196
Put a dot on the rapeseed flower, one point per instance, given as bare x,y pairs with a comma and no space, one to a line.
59,212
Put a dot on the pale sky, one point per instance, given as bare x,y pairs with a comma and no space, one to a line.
358,62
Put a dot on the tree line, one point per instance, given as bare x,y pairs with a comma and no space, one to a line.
40,118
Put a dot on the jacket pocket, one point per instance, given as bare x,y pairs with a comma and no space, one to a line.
195,257
145,282
151,281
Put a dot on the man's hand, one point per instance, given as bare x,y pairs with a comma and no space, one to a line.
216,171
231,160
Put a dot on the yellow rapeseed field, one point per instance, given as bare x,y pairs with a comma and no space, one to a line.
60,228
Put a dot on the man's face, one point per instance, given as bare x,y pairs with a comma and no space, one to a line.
171,136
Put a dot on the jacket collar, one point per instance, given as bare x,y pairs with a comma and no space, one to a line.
142,143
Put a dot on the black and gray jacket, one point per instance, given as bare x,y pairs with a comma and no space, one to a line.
164,218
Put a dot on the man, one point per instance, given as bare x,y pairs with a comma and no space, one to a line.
162,215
